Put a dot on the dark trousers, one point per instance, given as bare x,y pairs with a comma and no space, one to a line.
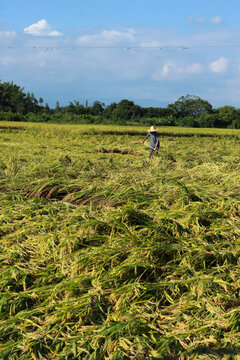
151,151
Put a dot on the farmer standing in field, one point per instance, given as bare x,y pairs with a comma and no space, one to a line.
154,140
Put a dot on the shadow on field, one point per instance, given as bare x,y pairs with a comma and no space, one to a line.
160,133
12,128
222,352
117,151
203,350
49,193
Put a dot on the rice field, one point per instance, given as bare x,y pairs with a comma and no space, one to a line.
107,255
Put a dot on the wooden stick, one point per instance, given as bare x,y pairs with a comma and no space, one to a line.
150,147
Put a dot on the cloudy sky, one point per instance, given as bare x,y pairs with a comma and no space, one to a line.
148,51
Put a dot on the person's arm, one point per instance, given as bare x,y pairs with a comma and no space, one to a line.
148,134
144,139
155,148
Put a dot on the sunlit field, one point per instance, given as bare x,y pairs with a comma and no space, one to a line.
107,255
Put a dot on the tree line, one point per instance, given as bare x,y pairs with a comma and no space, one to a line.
188,110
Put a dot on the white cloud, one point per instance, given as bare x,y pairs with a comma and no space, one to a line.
8,61
200,20
219,65
171,71
164,72
54,33
194,18
120,71
216,20
41,28
191,17
7,34
107,37
166,69
194,69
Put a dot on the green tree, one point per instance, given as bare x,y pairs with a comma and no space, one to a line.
12,98
152,112
108,111
57,107
76,108
226,116
206,120
236,122
47,108
126,110
190,105
31,103
97,108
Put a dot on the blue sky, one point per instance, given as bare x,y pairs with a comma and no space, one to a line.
151,52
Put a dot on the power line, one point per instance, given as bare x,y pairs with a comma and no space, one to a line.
181,47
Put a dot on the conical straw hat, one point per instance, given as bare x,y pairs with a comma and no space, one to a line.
152,129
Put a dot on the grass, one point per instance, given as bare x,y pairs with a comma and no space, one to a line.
105,255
